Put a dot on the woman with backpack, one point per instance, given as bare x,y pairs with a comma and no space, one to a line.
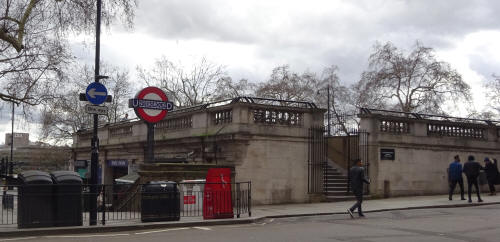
491,171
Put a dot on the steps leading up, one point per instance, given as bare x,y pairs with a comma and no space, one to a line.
335,186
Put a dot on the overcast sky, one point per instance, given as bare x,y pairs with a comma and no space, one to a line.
250,38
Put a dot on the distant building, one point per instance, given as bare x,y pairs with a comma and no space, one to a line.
34,155
20,139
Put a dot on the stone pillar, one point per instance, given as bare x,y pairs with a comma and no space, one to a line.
241,114
201,120
369,125
372,125
139,129
492,134
313,118
418,128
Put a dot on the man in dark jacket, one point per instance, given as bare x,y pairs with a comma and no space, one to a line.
471,170
455,176
357,176
491,174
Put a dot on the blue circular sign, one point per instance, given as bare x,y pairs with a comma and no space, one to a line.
96,93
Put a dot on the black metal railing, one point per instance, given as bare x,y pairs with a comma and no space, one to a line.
422,116
317,160
68,205
9,202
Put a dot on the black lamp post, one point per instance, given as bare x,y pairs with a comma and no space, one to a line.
16,101
94,159
328,106
12,136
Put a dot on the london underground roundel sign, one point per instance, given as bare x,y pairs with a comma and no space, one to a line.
151,104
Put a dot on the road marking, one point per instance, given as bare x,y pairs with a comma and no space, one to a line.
159,231
86,236
235,226
202,228
14,239
262,224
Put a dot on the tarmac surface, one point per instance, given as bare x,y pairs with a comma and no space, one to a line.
260,213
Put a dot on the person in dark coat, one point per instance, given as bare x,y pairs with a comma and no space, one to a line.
455,176
471,170
357,176
491,174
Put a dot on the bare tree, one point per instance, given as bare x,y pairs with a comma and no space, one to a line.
308,86
493,97
33,48
342,110
188,86
119,87
23,20
416,82
64,117
226,88
286,85
340,96
66,114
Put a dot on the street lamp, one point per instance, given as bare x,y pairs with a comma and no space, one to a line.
94,158
12,135
16,101
328,106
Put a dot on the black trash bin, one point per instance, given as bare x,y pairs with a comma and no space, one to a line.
160,201
35,205
67,198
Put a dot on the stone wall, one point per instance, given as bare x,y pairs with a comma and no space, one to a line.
266,144
277,168
423,150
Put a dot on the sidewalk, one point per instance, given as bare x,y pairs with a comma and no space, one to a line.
374,205
262,212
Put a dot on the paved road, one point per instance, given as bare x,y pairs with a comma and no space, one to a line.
448,224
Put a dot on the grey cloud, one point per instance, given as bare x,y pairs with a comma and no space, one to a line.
19,119
214,20
339,35
456,17
484,66
179,19
4,119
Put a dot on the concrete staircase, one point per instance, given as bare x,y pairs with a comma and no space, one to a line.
335,186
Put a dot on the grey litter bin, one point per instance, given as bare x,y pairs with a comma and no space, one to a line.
35,206
160,202
67,196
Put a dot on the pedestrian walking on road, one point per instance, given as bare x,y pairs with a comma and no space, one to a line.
357,176
455,176
491,174
471,170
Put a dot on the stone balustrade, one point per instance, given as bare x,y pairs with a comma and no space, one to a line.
422,148
235,118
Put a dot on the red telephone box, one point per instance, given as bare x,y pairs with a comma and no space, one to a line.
217,199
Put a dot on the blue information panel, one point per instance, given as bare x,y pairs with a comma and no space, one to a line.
118,163
96,93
